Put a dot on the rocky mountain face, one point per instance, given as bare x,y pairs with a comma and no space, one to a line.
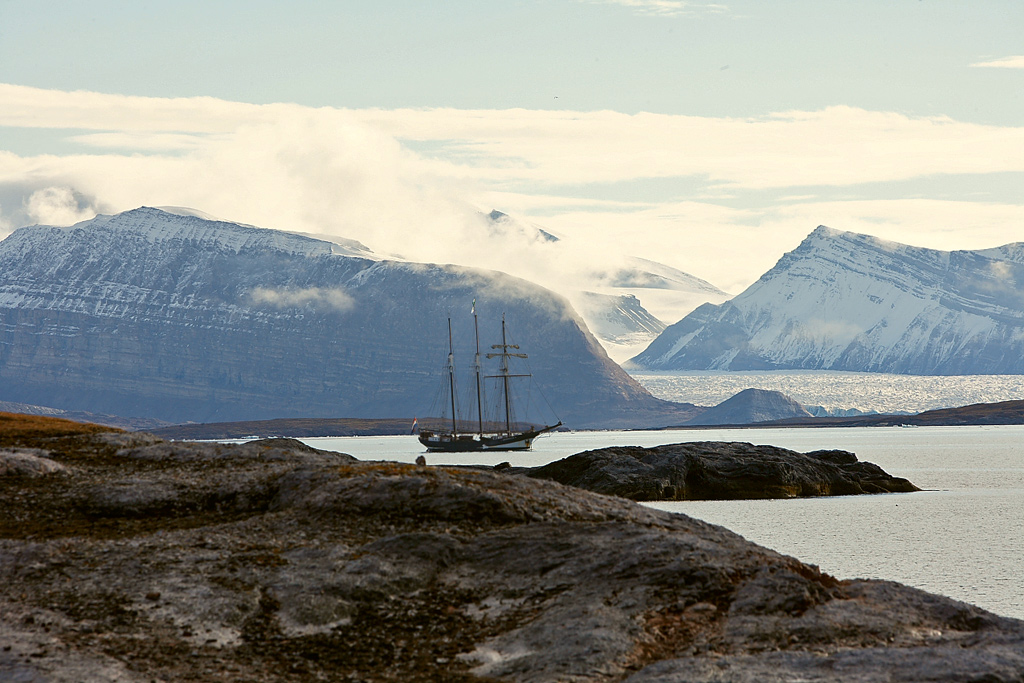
843,301
619,322
177,317
750,406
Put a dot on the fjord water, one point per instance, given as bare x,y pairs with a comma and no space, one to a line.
962,537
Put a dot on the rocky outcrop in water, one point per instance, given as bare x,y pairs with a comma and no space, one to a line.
149,560
711,470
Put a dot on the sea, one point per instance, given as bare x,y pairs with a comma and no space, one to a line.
963,536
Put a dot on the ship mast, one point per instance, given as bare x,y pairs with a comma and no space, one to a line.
451,377
503,369
476,365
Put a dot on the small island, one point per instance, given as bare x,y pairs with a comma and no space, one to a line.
711,470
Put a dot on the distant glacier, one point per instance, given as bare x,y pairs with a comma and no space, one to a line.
837,391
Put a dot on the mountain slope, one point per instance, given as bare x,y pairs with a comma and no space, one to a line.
176,317
843,301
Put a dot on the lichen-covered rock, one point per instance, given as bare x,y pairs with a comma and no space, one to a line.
27,463
267,562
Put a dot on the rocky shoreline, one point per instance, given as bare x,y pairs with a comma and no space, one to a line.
139,560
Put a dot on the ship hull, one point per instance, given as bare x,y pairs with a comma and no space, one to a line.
464,443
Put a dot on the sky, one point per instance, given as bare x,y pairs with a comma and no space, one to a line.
711,137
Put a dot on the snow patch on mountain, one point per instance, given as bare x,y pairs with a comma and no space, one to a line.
622,325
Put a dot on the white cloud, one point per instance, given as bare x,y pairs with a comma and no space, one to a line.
57,206
669,8
1011,62
352,173
836,146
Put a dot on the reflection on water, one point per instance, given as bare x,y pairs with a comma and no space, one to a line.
964,537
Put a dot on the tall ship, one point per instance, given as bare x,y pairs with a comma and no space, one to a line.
488,436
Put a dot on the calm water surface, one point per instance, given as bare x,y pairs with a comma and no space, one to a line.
963,537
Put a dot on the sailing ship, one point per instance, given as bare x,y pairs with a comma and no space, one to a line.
512,437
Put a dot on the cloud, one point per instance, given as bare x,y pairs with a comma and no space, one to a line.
667,8
58,206
357,174
312,297
1011,62
836,146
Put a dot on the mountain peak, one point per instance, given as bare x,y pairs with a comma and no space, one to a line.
185,211
825,231
826,235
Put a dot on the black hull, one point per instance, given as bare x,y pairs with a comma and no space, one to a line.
466,443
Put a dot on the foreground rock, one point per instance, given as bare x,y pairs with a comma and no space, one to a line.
715,470
146,560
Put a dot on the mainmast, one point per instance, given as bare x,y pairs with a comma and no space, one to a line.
503,369
476,365
451,377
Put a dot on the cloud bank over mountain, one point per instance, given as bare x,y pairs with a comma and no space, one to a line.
718,197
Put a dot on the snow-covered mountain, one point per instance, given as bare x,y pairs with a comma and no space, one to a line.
179,317
500,224
627,305
843,301
623,299
619,322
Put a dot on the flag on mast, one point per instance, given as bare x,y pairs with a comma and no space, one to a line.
474,306
413,430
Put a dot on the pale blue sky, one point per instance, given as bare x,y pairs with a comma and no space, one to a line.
772,117
735,59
